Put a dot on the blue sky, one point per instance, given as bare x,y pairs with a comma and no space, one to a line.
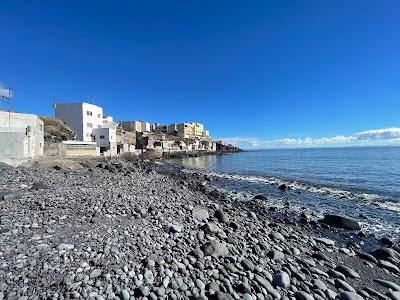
254,72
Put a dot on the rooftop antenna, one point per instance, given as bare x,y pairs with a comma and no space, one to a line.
9,103
54,106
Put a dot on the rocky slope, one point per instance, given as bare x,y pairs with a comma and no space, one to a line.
56,130
124,231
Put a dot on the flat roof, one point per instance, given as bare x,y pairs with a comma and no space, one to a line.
78,143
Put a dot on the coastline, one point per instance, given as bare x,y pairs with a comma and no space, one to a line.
101,229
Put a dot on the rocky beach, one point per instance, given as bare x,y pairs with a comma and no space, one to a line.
123,229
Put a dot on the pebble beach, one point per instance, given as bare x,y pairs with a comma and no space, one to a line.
121,229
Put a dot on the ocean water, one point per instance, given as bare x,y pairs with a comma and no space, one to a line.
361,183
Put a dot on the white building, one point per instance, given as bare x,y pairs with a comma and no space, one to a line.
145,126
106,140
21,137
81,117
109,123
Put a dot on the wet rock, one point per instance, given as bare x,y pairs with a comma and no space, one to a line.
386,254
341,222
283,187
387,241
260,197
367,256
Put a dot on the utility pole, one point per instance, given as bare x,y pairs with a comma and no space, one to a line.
9,104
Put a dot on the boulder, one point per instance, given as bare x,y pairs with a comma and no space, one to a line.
215,248
200,214
221,216
283,187
341,222
386,254
260,197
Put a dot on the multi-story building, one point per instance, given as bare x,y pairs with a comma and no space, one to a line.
81,117
191,130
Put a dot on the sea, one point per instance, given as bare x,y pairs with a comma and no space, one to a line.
361,183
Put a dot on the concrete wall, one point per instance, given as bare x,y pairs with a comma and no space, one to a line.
21,137
75,149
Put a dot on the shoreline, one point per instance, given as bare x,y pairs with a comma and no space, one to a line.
285,212
297,197
125,223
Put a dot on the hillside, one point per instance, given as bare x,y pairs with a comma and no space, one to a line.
56,130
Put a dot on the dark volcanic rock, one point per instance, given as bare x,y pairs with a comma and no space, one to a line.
283,187
341,222
122,230
260,197
221,216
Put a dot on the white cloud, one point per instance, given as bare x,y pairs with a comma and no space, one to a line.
386,136
379,134
5,93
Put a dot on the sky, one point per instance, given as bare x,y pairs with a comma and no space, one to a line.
258,74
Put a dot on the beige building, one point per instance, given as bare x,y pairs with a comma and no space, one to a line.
191,130
78,149
137,126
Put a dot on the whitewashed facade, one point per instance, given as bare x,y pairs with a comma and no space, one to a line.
81,117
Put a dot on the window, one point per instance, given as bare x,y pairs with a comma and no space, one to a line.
98,115
89,113
41,127
90,125
102,137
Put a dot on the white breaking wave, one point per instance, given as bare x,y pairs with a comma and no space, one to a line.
370,198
